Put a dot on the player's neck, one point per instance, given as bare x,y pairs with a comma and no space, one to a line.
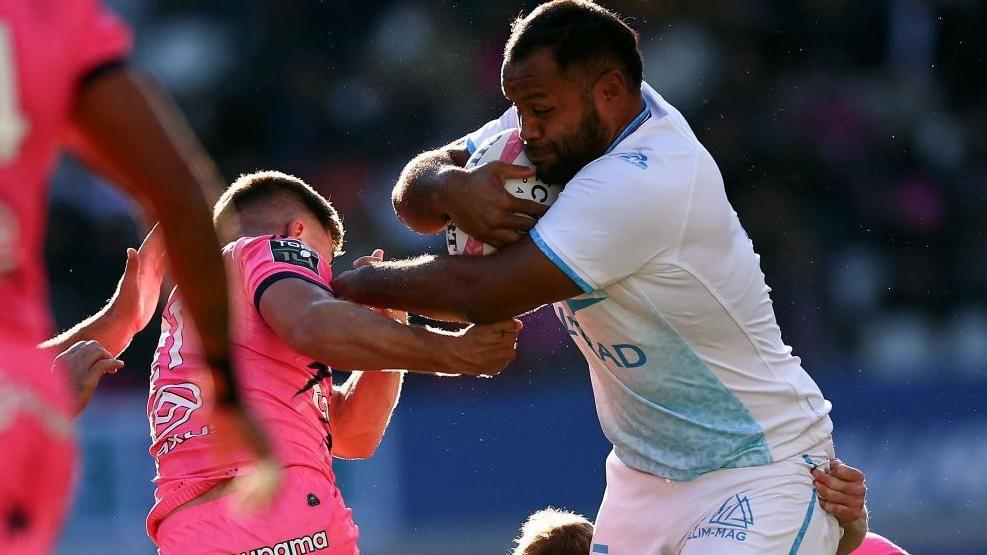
270,222
631,110
258,231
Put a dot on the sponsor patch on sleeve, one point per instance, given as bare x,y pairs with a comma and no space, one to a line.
294,252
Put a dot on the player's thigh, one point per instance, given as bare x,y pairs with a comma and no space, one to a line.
771,517
638,515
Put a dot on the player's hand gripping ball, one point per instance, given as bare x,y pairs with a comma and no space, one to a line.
508,147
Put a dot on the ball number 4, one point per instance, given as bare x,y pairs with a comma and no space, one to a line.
13,125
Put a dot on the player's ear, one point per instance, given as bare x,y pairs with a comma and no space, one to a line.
611,85
295,228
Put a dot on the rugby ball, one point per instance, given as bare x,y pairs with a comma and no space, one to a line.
508,147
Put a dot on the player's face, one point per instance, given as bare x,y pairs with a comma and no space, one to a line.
560,126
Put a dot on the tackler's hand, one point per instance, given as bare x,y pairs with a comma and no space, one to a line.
86,362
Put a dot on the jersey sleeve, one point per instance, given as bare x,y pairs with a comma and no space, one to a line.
264,261
99,37
506,121
614,217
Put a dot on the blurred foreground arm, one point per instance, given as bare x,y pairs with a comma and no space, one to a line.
129,130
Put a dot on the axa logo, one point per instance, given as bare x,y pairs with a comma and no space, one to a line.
735,512
635,159
173,405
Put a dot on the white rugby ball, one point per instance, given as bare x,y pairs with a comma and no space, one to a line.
508,147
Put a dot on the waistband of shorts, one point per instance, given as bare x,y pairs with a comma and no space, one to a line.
817,443
167,504
173,500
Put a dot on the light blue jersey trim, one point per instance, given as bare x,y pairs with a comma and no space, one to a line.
470,145
808,460
579,303
544,248
631,127
805,526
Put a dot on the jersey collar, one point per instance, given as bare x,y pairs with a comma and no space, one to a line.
631,127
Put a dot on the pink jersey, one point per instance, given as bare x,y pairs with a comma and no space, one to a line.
288,392
46,48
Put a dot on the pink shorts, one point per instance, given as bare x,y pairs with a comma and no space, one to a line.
308,516
37,451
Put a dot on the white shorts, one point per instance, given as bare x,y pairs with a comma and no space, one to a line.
764,509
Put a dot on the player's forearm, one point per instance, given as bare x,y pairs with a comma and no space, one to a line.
418,194
105,327
460,288
361,410
853,535
349,336
146,117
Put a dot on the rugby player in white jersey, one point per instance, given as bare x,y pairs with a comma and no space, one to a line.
715,424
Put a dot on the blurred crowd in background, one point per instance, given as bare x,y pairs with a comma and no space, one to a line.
849,135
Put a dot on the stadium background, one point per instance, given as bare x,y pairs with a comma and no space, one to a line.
849,136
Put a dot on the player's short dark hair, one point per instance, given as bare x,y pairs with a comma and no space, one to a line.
555,532
580,34
264,188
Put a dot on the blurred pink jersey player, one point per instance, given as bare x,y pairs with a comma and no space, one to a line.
47,48
875,544
289,393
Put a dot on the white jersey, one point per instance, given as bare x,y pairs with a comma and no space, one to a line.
688,367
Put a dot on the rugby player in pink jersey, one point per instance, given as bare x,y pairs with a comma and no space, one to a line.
288,331
64,83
